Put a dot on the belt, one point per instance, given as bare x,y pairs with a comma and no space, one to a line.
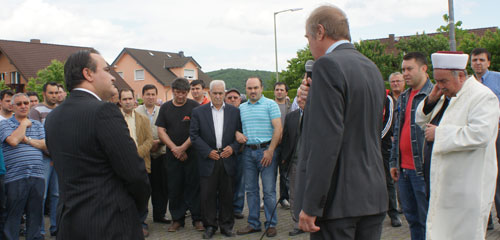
258,146
219,150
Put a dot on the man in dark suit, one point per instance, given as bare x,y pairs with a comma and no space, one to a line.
212,133
103,184
341,189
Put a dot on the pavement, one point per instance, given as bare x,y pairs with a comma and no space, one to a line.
159,231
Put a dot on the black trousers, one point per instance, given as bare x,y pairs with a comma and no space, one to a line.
352,228
183,187
216,190
159,184
391,189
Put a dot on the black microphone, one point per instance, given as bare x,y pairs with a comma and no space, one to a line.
309,68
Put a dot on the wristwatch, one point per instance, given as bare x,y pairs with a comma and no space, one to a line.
29,140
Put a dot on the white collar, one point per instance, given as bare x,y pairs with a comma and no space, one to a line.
88,91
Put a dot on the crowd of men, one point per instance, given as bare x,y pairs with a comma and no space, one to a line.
344,151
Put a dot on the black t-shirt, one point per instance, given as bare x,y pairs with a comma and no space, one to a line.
176,120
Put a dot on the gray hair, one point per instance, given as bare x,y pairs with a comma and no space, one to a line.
453,72
16,96
217,82
394,74
333,19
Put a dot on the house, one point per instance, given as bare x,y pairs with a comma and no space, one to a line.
140,67
20,61
391,41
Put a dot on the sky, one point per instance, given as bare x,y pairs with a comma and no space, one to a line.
222,34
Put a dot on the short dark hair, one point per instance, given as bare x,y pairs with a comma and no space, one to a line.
32,94
260,80
44,88
125,90
7,92
181,84
148,87
73,68
196,82
418,56
477,51
281,83
60,85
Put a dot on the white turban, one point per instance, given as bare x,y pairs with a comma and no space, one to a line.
449,60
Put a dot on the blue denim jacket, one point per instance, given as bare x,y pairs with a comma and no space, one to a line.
417,135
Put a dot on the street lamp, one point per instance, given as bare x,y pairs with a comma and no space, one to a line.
276,40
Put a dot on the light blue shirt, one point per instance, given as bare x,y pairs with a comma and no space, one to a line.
335,45
491,79
256,120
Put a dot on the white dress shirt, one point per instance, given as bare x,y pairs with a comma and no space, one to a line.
218,117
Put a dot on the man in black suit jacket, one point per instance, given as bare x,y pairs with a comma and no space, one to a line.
103,184
212,132
340,179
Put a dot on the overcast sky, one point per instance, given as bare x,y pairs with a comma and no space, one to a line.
221,33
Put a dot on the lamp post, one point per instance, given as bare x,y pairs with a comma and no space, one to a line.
451,26
276,40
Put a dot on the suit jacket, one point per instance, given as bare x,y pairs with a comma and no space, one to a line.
103,185
340,172
202,134
144,138
290,136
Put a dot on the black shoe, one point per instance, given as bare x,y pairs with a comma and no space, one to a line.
227,233
238,215
53,234
209,232
162,220
295,232
395,222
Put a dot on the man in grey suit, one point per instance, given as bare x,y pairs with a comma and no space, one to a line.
103,184
341,190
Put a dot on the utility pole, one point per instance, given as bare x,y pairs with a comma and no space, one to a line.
451,24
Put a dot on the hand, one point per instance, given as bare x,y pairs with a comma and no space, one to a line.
26,122
156,146
177,151
25,140
183,157
240,138
214,155
227,152
306,222
435,94
267,158
430,132
304,88
394,174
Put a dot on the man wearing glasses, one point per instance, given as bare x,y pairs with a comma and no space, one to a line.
397,84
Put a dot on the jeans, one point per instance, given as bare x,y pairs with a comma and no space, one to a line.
52,187
414,202
26,193
239,186
253,169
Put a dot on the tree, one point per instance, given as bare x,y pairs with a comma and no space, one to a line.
3,85
52,73
375,51
296,68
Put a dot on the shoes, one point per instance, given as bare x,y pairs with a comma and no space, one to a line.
285,204
247,230
162,220
198,225
209,232
271,232
395,222
145,232
227,233
295,232
238,215
174,227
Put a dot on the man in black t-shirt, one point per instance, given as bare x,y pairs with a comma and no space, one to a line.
181,164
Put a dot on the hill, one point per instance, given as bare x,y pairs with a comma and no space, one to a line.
235,78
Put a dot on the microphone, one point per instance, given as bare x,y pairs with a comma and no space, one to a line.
309,68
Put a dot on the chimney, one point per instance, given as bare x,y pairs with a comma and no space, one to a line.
181,54
35,40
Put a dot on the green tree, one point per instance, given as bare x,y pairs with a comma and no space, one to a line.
375,51
52,73
296,68
3,85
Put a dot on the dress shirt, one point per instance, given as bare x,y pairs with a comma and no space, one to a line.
218,117
130,119
335,45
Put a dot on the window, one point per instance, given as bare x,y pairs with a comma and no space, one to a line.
120,73
139,74
2,77
14,78
189,74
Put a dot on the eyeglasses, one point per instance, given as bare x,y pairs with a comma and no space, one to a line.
232,97
27,103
